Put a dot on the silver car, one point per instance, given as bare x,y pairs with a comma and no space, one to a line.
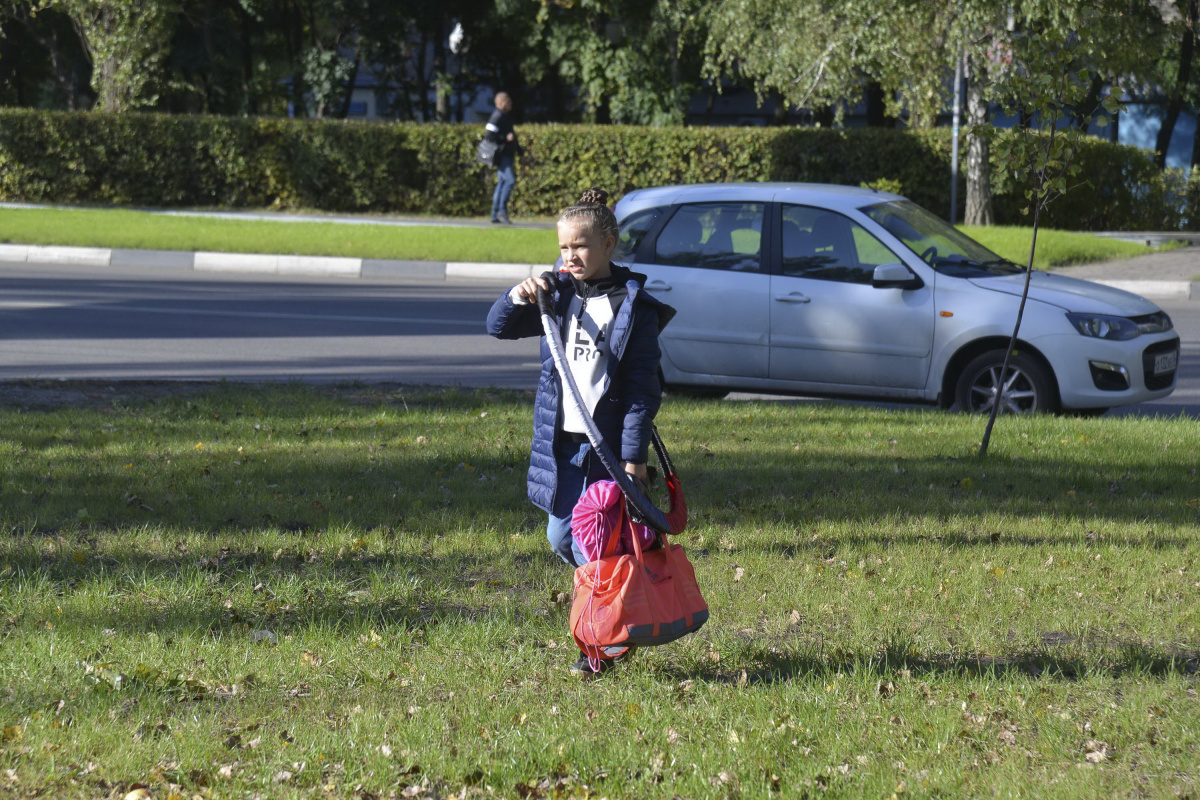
846,292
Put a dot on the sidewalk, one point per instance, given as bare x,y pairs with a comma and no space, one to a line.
1172,274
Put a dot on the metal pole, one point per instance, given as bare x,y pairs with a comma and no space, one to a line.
958,74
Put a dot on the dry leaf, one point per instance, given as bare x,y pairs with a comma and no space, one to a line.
225,771
283,776
1095,750
738,574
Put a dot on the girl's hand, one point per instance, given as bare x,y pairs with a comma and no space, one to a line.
636,470
528,288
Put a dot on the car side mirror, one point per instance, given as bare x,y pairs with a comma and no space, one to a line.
895,276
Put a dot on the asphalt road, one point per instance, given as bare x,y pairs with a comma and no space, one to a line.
87,323
81,323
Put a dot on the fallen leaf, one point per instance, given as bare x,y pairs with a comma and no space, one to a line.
1095,750
738,574
225,771
283,776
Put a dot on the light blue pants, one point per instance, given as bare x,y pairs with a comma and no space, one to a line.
577,470
506,179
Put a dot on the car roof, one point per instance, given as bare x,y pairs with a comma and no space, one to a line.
827,195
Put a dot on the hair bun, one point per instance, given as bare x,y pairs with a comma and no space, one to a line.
597,196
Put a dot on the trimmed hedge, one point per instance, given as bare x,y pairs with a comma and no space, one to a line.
157,160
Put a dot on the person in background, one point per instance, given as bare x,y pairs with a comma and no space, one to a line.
500,130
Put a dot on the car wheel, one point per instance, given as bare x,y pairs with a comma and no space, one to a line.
702,392
1026,388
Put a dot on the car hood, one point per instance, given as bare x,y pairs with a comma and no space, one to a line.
1071,294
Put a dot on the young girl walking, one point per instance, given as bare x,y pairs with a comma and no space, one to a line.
610,326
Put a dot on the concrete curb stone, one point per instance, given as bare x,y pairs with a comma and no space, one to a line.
269,264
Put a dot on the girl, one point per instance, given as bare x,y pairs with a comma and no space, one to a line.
610,327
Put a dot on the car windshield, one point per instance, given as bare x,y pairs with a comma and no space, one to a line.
938,244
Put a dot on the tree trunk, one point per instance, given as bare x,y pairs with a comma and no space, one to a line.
249,98
779,114
423,78
1196,147
1175,99
979,179
110,95
348,97
1084,112
440,75
876,108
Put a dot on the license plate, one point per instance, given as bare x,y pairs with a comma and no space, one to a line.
1166,362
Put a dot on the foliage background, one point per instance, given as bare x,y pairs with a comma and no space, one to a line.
159,160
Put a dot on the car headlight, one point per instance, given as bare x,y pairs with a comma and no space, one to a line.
1154,323
1104,326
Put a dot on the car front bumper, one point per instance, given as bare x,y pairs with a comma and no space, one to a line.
1090,371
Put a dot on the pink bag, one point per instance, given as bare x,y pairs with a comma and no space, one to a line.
602,527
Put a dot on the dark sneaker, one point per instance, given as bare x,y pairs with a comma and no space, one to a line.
495,220
625,653
503,219
584,667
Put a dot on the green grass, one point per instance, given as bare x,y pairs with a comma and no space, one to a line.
137,229
1057,248
890,615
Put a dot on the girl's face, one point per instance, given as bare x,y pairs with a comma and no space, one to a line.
585,252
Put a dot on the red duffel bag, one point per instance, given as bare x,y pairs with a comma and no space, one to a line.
646,599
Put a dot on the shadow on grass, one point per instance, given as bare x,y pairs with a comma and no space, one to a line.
441,461
1071,661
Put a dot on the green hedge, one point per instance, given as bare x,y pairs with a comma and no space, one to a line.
156,160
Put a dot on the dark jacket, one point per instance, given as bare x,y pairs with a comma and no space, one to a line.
625,414
499,126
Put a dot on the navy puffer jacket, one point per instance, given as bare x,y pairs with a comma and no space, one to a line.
625,414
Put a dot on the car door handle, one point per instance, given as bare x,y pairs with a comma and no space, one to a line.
658,286
794,297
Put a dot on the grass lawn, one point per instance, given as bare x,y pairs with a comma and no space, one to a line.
1057,248
287,591
138,229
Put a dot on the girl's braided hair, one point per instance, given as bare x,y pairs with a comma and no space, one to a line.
593,211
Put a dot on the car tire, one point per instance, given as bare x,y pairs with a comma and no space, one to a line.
1030,385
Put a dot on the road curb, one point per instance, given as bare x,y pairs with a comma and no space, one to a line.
1158,290
270,264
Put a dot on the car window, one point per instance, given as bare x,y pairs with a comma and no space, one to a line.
823,245
938,244
726,236
633,229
